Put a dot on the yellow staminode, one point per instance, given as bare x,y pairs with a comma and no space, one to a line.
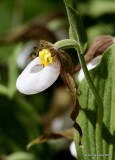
45,57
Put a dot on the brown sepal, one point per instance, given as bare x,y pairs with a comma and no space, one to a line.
98,47
69,81
66,61
52,136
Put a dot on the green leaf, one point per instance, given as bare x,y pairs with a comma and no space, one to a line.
104,79
76,31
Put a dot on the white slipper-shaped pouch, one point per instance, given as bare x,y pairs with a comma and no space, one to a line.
36,78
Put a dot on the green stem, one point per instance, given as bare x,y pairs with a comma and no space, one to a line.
4,90
66,43
99,103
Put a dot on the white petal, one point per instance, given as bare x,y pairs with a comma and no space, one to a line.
73,149
92,64
36,78
22,59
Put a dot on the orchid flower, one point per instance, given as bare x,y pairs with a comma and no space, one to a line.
44,70
40,74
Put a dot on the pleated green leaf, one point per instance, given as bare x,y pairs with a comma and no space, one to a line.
76,30
104,79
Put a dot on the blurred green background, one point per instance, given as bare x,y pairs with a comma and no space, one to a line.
22,24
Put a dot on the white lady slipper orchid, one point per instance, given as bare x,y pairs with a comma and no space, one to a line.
92,64
40,74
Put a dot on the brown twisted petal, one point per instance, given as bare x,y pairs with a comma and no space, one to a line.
68,80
